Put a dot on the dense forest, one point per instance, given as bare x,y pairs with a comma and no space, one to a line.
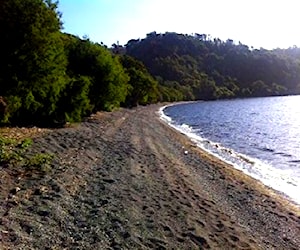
48,77
200,67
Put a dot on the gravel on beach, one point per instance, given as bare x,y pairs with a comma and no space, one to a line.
126,180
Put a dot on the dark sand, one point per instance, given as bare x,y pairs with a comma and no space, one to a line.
121,180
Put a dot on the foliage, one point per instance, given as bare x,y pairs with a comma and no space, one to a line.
49,78
11,151
211,69
13,154
143,87
74,102
32,60
40,162
109,82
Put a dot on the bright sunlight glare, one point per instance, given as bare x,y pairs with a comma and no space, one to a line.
257,23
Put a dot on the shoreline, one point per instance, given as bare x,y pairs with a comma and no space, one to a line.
167,120
122,180
282,197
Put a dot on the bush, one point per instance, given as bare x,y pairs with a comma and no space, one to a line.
13,154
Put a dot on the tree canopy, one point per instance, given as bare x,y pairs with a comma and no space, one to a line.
213,69
109,82
48,77
32,60
143,87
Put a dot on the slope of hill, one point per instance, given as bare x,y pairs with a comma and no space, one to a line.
204,68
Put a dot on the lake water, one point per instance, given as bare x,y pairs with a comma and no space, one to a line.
260,136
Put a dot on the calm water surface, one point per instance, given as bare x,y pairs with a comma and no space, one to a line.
260,136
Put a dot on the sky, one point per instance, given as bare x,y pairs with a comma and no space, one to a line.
265,24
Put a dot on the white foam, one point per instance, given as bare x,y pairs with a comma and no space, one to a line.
163,116
278,179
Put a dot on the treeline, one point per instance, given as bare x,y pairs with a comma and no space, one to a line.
199,67
48,78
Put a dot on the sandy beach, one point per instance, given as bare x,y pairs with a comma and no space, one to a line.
126,180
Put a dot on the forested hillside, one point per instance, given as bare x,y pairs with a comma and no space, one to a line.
200,67
48,77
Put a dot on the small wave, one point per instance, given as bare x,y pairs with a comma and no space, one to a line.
295,161
279,179
283,154
246,159
163,116
266,149
186,127
291,183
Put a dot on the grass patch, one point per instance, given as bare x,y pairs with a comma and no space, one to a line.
13,153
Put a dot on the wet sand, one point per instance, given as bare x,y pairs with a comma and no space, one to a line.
123,180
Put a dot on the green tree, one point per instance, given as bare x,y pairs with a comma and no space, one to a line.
32,60
232,69
259,88
143,88
109,82
74,103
